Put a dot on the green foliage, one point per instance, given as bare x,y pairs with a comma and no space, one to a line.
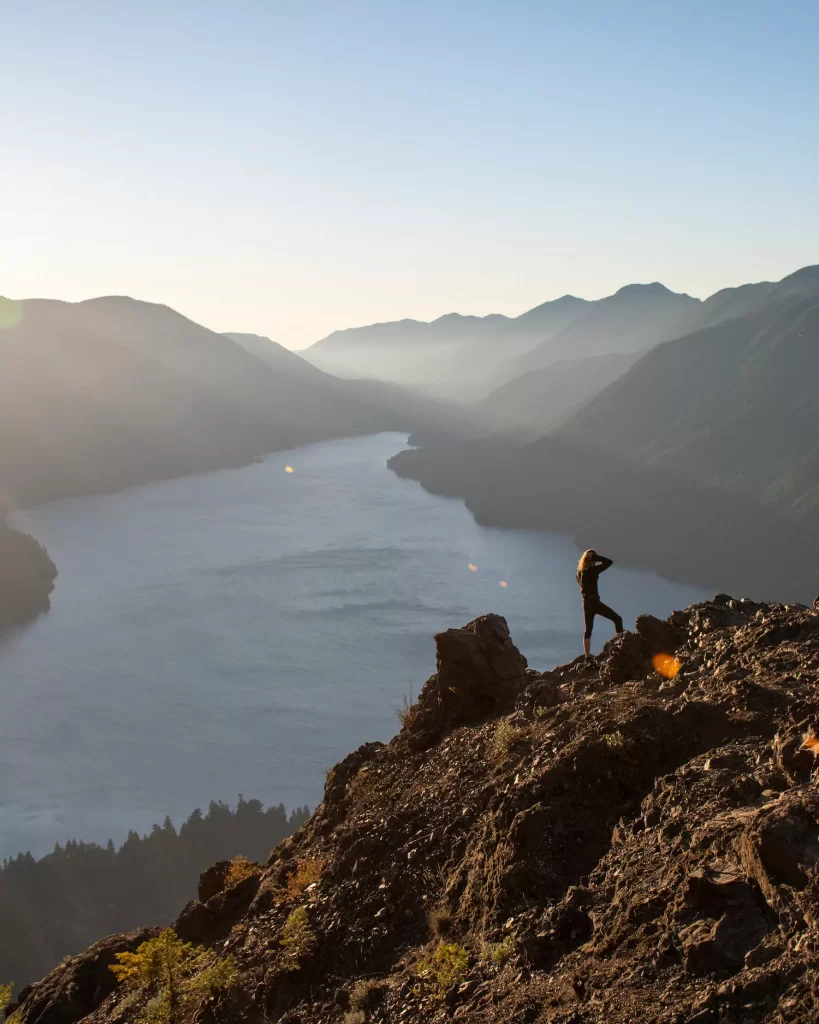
507,739
298,937
179,974
240,869
148,878
445,966
5,995
308,870
615,740
497,953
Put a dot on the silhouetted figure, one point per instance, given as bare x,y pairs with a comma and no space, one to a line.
588,572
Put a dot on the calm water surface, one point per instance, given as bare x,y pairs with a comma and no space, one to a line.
241,631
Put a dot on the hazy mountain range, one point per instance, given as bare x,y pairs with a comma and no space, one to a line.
604,419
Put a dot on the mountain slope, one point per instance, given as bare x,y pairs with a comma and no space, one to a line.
734,404
274,355
596,843
540,400
102,394
634,318
449,352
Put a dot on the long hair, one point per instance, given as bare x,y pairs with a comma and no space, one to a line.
586,559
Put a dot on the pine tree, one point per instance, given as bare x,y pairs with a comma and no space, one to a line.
180,975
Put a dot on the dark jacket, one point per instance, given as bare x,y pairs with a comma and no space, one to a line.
589,576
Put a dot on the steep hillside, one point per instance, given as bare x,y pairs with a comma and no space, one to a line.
734,405
627,841
276,356
540,400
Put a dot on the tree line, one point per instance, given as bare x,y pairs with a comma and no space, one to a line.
58,905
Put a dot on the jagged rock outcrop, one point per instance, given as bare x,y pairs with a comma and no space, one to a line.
601,842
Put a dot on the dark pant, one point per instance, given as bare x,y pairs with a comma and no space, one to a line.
594,606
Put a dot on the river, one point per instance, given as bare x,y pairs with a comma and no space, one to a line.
241,631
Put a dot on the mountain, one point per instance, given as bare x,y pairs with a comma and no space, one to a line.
631,840
453,352
636,317
734,405
98,395
540,400
276,356
404,351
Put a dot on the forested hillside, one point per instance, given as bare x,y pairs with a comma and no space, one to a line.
56,906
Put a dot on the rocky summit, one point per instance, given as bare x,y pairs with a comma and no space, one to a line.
632,839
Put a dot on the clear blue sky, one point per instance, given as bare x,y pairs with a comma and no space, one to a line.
292,166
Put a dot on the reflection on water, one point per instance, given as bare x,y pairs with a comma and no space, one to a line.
240,632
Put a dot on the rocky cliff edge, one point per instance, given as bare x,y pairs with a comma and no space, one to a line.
635,839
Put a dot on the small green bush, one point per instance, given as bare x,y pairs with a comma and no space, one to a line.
298,938
497,953
445,966
507,739
180,976
615,740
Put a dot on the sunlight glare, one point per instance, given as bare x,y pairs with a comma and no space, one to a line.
666,664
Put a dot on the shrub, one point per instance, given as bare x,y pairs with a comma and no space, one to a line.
445,966
354,1017
615,740
362,996
298,938
406,710
506,739
440,922
5,995
179,974
498,953
240,869
308,870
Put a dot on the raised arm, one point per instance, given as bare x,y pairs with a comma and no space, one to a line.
602,562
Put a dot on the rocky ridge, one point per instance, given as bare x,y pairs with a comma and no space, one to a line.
635,839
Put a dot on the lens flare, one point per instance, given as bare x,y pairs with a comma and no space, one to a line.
472,567
288,469
666,664
503,583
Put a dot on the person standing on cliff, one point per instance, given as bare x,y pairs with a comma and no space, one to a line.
588,573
